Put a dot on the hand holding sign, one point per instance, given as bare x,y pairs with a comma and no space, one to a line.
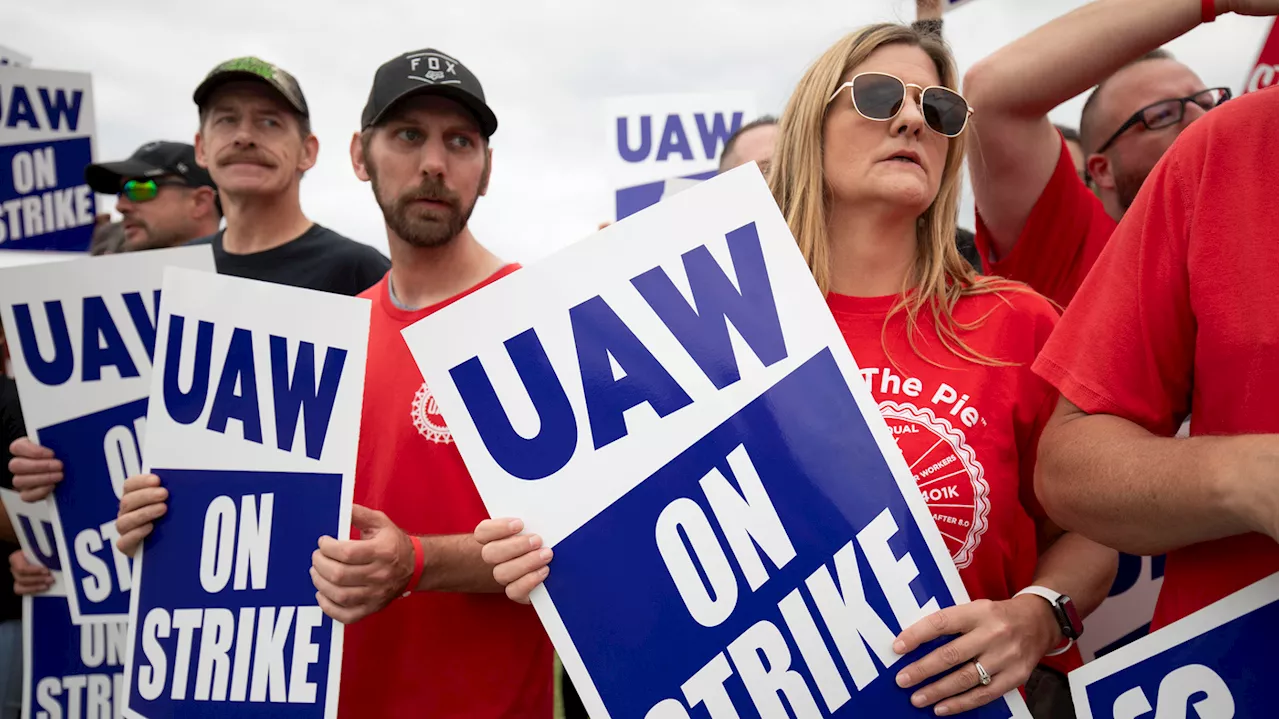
28,578
356,578
142,503
35,470
519,561
1009,638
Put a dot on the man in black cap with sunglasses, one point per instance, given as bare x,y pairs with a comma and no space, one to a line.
1037,220
166,198
255,139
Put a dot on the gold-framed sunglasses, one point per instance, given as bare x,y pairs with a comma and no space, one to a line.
879,96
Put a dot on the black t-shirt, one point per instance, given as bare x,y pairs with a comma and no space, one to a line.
11,428
318,259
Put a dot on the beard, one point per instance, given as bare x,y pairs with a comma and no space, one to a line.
1128,183
419,226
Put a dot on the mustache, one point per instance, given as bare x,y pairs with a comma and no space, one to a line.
431,189
234,156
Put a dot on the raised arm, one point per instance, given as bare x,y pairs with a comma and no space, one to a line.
1014,148
1115,482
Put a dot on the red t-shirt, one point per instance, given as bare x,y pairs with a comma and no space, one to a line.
1063,237
432,654
968,431
1179,317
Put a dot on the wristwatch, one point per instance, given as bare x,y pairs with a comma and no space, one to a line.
1064,611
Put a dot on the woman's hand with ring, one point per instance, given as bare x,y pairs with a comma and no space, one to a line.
1007,638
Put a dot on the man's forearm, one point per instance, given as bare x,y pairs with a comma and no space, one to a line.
1066,57
452,563
1112,481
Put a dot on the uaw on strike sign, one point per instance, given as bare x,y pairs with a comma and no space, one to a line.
253,422
672,407
1217,663
46,141
69,671
81,335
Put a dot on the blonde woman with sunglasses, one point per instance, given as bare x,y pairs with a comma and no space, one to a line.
866,173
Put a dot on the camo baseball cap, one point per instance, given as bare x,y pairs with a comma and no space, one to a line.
252,68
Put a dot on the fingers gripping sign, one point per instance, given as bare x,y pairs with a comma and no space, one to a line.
28,577
519,561
1003,640
142,504
36,471
355,578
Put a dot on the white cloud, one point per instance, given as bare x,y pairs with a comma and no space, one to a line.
545,65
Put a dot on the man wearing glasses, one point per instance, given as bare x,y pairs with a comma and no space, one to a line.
166,199
1037,221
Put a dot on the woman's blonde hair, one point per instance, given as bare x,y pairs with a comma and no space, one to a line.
941,276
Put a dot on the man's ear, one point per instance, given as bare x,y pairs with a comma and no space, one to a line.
201,160
310,153
1099,169
488,167
357,158
203,200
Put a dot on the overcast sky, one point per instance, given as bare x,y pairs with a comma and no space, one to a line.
546,66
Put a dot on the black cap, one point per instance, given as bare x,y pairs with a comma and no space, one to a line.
423,72
251,68
153,159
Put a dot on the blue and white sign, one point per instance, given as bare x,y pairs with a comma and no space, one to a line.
81,335
254,421
659,144
1125,616
68,670
1217,663
671,406
46,141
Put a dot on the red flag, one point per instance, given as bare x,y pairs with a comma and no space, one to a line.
1265,72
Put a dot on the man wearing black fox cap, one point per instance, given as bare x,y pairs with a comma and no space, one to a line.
165,197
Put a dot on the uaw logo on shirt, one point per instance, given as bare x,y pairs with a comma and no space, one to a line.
427,418
949,475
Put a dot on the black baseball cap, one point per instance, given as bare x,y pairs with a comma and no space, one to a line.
424,72
252,68
154,159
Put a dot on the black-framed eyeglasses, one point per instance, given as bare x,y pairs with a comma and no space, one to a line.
146,190
1168,113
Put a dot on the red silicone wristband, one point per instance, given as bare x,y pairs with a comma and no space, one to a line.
419,563
1208,10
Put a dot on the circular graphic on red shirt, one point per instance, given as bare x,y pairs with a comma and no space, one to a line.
947,472
427,419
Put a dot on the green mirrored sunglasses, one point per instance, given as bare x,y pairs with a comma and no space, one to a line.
146,190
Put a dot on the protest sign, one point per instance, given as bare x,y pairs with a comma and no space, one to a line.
1125,615
1221,660
81,334
655,140
254,419
46,141
9,56
68,671
1266,69
671,406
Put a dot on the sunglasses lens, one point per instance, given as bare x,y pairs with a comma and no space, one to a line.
878,97
140,190
944,111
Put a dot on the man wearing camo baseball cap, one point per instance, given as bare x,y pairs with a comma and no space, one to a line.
255,139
